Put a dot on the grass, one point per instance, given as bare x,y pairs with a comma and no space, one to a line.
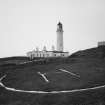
25,76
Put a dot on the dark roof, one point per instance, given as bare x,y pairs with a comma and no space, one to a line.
59,23
57,51
51,51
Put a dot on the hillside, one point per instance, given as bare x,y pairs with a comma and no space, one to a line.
13,60
83,69
98,52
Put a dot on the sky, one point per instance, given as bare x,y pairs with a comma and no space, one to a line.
27,24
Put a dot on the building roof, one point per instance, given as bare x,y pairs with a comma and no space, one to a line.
59,23
48,51
59,52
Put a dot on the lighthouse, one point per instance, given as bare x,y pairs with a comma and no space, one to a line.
59,37
59,52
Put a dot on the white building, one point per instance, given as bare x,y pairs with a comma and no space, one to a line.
54,53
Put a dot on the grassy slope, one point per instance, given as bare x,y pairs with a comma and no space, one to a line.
13,60
89,64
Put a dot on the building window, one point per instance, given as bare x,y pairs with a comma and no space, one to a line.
62,54
31,56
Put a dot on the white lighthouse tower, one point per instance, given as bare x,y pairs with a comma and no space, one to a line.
59,37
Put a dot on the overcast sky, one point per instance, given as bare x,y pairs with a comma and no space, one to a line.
27,24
